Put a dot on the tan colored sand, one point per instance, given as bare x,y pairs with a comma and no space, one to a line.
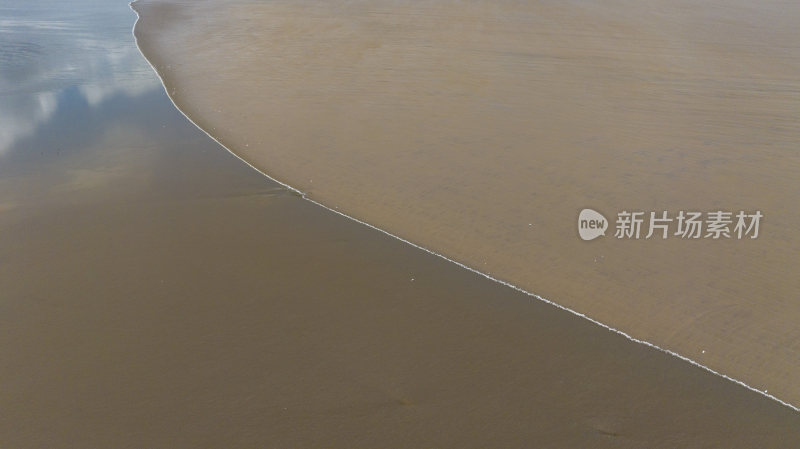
480,128
155,292
187,302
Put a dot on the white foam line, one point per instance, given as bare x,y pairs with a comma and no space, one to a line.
499,281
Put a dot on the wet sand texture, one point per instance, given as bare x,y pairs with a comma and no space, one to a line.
158,293
479,129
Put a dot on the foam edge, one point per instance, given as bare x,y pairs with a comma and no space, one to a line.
487,276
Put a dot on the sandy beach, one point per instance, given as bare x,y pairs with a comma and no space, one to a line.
480,129
157,292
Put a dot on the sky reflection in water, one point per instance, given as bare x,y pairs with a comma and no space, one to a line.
57,55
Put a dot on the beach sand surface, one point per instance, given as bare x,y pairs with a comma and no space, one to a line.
479,129
159,293
156,292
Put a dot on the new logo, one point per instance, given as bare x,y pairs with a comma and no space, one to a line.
591,224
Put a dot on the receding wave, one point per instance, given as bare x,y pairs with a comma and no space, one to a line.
479,130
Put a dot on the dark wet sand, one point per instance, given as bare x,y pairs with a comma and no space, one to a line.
156,292
189,302
480,128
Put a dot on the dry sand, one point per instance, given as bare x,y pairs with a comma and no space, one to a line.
479,129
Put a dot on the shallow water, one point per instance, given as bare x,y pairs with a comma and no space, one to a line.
479,129
157,292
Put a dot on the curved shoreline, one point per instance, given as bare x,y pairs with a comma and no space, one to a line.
462,265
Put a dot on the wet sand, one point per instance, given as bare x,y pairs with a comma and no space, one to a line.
157,292
480,129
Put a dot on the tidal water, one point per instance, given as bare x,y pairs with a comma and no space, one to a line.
157,292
